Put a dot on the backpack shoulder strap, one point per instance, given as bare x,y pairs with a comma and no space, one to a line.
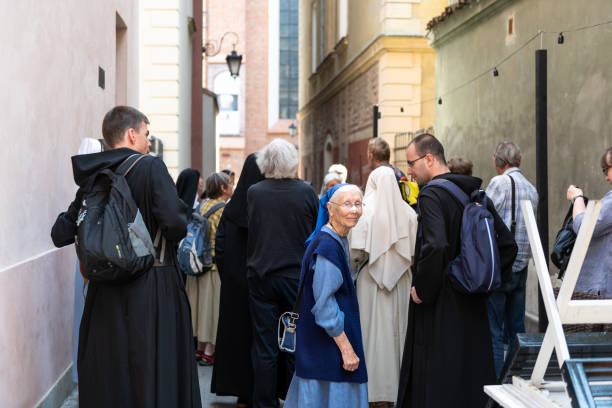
452,188
214,208
131,166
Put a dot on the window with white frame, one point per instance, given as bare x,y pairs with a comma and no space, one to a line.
227,90
288,59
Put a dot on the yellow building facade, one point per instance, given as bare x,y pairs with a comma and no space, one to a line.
355,54
165,77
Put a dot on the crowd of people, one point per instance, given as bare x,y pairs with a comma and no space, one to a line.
380,324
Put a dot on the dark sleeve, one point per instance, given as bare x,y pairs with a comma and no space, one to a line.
429,273
252,223
220,245
249,206
65,229
168,209
505,242
314,203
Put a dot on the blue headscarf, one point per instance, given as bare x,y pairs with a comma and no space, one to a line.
323,217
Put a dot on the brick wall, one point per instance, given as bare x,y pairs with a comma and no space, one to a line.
231,159
256,129
248,18
346,117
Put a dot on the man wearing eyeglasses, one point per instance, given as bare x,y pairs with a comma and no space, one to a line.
448,343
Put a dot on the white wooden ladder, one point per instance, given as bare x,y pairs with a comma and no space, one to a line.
536,392
563,310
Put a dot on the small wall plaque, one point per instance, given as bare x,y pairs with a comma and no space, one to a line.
100,77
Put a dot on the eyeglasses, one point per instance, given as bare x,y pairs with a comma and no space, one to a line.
347,205
411,162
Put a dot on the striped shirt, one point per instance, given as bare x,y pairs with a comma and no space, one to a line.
499,191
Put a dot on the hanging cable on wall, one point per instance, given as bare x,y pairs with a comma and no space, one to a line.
494,68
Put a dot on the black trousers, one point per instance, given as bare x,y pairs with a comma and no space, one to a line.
269,297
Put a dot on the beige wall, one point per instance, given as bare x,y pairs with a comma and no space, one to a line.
50,100
472,120
406,70
165,74
367,20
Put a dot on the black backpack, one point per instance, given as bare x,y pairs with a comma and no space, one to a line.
112,241
477,266
564,242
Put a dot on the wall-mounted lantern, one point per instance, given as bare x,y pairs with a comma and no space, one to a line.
233,60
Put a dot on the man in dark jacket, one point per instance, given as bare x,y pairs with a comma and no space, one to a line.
447,354
282,212
135,342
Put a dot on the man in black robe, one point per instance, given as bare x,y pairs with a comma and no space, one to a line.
447,354
135,342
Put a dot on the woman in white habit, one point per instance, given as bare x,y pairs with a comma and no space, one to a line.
382,244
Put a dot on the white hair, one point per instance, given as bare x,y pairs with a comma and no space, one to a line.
507,154
340,170
279,159
331,176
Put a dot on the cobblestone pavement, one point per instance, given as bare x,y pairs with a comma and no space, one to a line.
72,401
208,400
211,400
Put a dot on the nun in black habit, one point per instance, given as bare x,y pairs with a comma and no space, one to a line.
232,370
136,343
187,185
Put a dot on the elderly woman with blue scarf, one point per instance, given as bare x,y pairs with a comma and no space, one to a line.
329,361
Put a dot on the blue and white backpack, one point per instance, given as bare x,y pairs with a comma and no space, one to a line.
195,250
477,267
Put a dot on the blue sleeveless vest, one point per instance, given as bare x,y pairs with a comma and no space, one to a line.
317,356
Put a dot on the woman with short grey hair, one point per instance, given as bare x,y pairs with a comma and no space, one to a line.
282,212
278,160
204,291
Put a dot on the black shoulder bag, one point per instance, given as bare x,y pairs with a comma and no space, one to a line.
513,222
564,242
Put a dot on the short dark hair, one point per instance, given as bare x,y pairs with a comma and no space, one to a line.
118,120
606,159
379,148
215,184
426,143
228,172
460,165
